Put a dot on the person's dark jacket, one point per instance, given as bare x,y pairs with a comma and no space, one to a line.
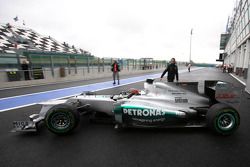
113,65
172,70
25,67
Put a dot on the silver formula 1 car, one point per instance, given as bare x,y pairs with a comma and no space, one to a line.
158,105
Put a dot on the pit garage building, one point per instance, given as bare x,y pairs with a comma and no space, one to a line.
236,42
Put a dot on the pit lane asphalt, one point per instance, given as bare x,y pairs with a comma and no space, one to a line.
100,145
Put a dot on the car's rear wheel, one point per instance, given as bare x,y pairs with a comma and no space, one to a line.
223,119
62,119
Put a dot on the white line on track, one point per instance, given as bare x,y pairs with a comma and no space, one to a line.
243,83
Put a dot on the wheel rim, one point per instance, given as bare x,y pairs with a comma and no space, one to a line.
60,121
226,121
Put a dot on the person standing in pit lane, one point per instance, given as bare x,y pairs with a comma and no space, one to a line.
189,67
172,70
115,68
25,69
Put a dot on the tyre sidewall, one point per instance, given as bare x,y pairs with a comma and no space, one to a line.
62,109
215,114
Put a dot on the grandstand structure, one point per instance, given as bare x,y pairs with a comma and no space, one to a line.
23,50
28,58
19,43
14,38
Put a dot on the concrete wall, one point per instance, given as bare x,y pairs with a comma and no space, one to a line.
240,58
70,75
248,77
238,45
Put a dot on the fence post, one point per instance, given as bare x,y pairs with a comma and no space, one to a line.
102,64
128,64
98,62
88,63
136,65
69,66
75,65
140,64
30,67
21,72
52,66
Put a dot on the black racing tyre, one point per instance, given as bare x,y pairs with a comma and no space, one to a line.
223,119
62,119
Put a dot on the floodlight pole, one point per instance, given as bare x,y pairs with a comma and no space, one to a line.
190,45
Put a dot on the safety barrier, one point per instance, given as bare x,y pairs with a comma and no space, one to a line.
16,78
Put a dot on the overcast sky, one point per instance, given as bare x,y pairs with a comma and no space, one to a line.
128,28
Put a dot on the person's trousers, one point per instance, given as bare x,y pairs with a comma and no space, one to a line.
116,76
26,75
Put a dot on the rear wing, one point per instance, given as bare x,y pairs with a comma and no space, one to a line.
223,92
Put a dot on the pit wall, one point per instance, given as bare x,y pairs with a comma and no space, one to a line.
67,75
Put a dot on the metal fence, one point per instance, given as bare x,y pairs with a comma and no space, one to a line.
54,66
101,67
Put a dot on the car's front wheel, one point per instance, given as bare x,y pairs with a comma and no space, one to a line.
62,118
223,119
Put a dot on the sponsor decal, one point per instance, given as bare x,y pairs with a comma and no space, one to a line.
20,124
173,90
149,120
143,112
178,93
221,85
149,115
180,100
225,96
